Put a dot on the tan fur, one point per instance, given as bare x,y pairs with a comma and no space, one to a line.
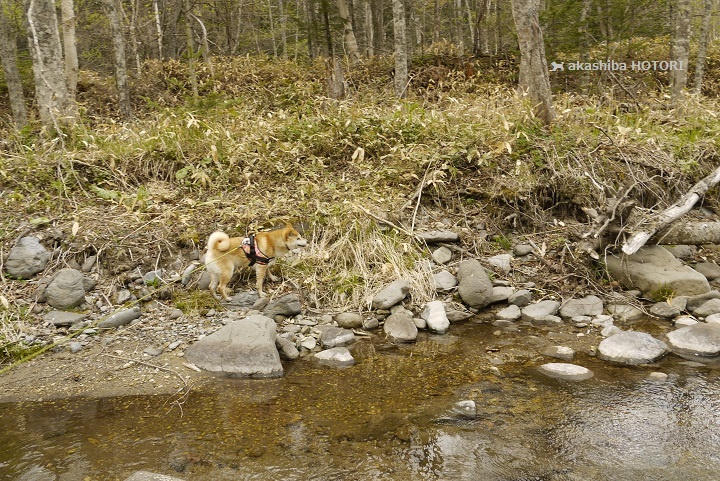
225,256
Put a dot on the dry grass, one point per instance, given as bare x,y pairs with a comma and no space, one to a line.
265,146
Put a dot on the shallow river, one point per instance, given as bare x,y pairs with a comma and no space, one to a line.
388,418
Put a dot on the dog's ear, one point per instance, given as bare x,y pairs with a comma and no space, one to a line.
288,225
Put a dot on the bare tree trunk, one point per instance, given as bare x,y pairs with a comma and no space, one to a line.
159,29
534,76
70,46
480,15
369,30
379,26
190,49
283,28
680,52
436,22
401,59
112,9
272,29
205,46
8,57
709,7
348,32
51,91
133,35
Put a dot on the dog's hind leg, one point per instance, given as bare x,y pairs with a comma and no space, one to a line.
224,280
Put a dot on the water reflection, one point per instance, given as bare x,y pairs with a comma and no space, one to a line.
385,419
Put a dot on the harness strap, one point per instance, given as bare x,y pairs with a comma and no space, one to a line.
253,252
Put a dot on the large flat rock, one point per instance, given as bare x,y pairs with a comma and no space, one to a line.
654,269
242,348
632,348
702,339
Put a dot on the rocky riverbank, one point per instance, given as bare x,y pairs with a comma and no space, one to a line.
138,342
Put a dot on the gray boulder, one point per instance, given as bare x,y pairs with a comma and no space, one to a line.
287,305
242,348
337,356
120,318
566,371
653,269
631,348
694,302
64,319
625,312
699,340
502,262
664,310
27,258
521,298
349,320
587,306
66,289
540,310
444,281
287,349
436,236
442,255
707,308
332,336
559,352
709,269
392,294
475,287
436,317
510,313
501,294
400,327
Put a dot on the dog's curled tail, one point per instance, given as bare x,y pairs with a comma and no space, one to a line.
218,241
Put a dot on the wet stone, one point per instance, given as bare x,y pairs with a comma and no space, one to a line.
566,371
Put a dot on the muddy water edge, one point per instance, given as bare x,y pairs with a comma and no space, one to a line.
390,417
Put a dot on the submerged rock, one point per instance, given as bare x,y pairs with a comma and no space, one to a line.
632,348
566,371
701,339
337,356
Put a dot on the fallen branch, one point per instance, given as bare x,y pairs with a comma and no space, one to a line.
674,212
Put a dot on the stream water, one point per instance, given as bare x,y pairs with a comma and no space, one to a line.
388,418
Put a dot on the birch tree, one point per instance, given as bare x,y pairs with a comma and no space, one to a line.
348,32
67,10
534,76
8,58
112,8
51,93
401,58
680,52
709,7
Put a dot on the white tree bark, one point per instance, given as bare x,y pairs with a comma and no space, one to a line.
8,58
67,9
158,28
709,7
680,52
348,33
112,7
401,60
51,92
534,76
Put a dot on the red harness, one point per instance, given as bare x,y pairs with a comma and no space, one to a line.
253,252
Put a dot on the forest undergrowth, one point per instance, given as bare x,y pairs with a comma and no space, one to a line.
263,145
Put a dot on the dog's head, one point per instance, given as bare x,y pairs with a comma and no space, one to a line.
292,238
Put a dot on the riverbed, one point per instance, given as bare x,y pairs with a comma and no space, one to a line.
390,417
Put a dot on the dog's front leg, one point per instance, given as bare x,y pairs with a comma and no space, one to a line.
260,272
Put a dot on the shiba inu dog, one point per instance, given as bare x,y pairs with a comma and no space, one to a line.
227,254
